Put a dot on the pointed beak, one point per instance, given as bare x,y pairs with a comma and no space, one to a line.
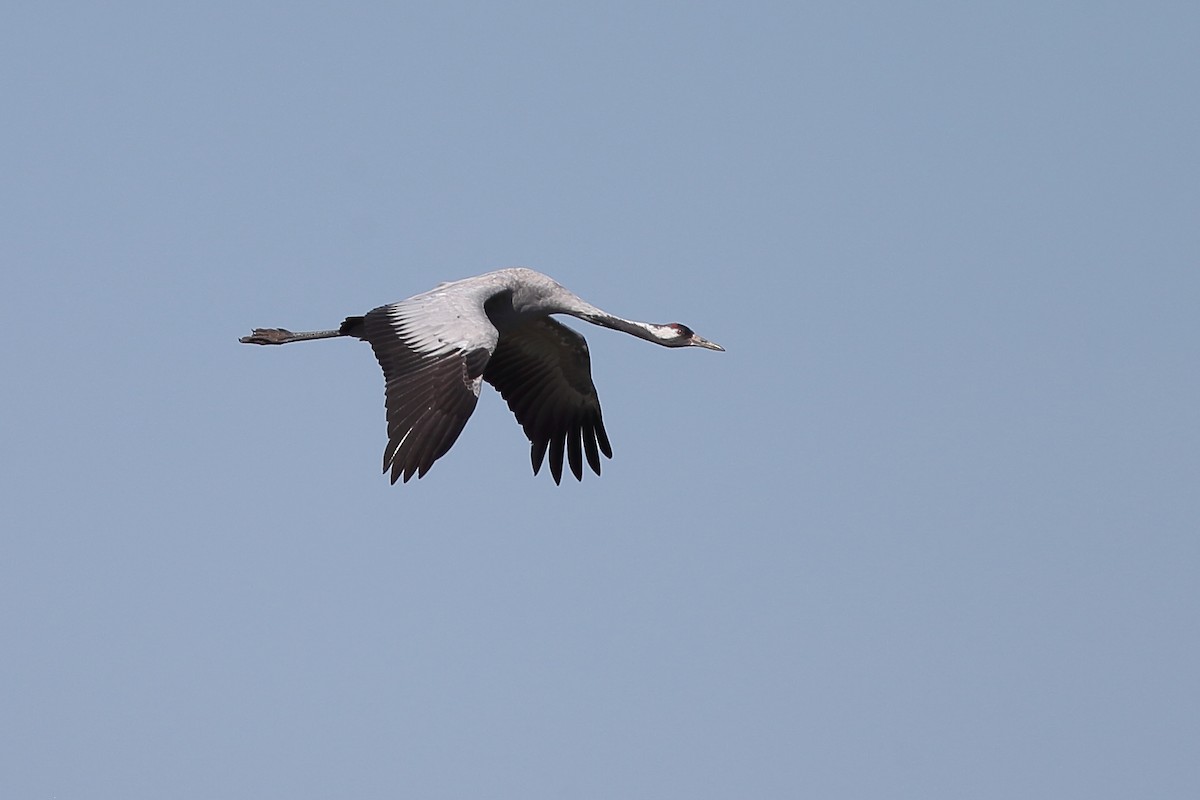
699,341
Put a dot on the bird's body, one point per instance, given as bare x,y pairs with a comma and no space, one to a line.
436,349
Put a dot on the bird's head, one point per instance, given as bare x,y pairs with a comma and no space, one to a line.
676,334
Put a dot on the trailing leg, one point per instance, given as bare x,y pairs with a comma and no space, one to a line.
284,336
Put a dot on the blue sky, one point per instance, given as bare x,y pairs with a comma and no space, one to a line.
928,529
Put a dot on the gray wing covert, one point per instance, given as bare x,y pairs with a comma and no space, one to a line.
433,354
543,370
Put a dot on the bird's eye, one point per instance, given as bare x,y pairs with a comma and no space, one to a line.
683,330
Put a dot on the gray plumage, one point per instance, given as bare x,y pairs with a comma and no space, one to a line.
437,347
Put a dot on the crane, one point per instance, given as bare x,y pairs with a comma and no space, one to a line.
437,347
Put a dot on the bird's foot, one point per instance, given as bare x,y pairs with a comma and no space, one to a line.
268,336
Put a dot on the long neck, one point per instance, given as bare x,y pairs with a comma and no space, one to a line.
643,330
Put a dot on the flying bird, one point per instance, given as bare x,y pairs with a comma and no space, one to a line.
436,348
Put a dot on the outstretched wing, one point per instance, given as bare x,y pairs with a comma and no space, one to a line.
542,369
433,349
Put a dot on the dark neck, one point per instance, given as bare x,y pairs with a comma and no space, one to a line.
642,330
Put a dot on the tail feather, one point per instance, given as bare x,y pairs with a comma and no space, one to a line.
353,326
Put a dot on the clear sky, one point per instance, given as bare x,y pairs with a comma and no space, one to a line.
929,528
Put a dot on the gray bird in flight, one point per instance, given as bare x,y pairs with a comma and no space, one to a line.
437,347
